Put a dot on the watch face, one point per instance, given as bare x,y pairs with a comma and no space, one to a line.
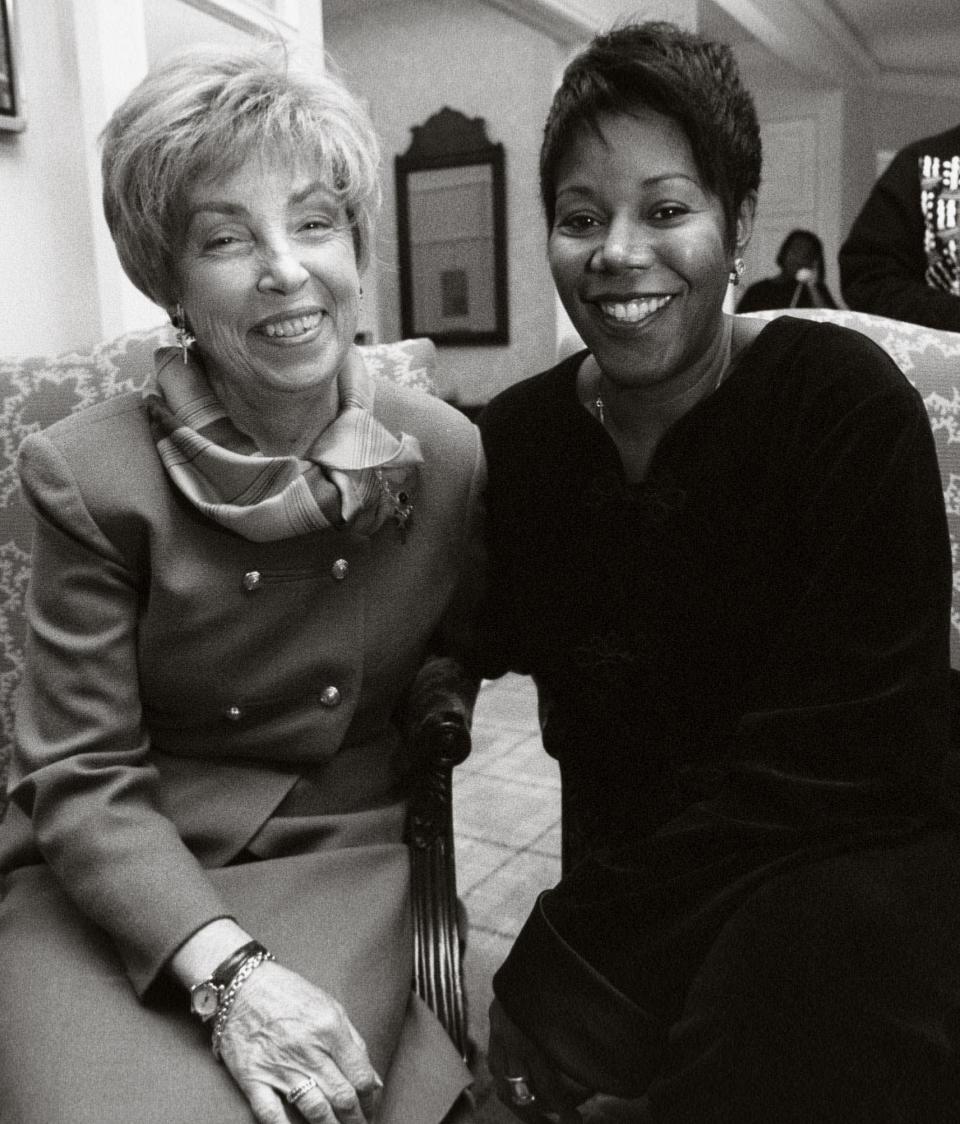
204,998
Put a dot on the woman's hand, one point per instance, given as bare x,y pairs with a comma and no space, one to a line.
512,1055
282,1032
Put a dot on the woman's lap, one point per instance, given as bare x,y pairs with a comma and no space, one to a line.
78,1045
833,994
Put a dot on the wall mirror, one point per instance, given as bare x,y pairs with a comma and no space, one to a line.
11,113
451,227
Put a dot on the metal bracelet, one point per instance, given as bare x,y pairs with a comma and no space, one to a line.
226,970
247,968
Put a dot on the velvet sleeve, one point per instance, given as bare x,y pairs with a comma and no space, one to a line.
456,635
446,684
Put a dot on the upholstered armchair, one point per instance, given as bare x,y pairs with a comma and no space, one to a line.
931,361
36,391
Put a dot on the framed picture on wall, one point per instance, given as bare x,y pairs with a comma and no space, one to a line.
451,226
11,112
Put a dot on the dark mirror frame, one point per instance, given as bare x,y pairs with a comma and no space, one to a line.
449,140
11,113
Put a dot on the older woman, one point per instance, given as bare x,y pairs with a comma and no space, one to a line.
235,576
721,551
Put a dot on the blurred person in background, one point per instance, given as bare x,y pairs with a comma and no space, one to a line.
800,282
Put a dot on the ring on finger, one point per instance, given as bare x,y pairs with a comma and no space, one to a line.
520,1092
301,1090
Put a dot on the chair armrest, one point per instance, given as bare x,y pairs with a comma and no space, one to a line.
436,726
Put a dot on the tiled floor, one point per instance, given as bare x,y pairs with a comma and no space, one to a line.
506,806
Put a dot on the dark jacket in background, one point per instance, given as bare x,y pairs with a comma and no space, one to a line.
901,256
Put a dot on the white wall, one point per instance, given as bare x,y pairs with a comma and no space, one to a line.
172,25
859,140
46,236
62,285
409,60
856,123
893,119
784,99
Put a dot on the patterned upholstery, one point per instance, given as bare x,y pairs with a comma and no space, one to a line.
931,361
36,391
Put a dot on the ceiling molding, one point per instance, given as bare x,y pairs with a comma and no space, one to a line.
808,35
573,22
565,22
805,33
248,16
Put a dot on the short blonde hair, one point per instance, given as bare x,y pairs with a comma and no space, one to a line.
205,112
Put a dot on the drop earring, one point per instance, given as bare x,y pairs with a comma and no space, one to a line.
737,272
185,338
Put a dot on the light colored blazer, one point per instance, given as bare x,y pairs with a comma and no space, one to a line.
179,679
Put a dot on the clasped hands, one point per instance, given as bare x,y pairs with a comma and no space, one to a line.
287,1040
535,1090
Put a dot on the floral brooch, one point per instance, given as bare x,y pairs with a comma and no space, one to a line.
399,501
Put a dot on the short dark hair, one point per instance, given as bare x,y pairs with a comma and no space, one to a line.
657,65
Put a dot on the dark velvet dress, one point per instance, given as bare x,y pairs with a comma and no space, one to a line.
743,672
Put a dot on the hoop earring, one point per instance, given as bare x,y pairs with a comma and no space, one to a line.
737,272
185,338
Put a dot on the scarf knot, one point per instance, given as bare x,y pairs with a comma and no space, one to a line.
355,474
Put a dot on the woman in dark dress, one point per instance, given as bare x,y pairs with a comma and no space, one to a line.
720,549
800,282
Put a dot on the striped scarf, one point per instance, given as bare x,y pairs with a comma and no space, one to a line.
355,473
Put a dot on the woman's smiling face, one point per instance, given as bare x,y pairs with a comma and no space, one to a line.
639,250
268,278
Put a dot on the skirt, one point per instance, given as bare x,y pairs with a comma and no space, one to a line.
77,1045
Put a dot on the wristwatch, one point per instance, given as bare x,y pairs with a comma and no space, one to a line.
205,996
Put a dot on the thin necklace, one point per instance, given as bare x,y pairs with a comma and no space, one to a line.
724,368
